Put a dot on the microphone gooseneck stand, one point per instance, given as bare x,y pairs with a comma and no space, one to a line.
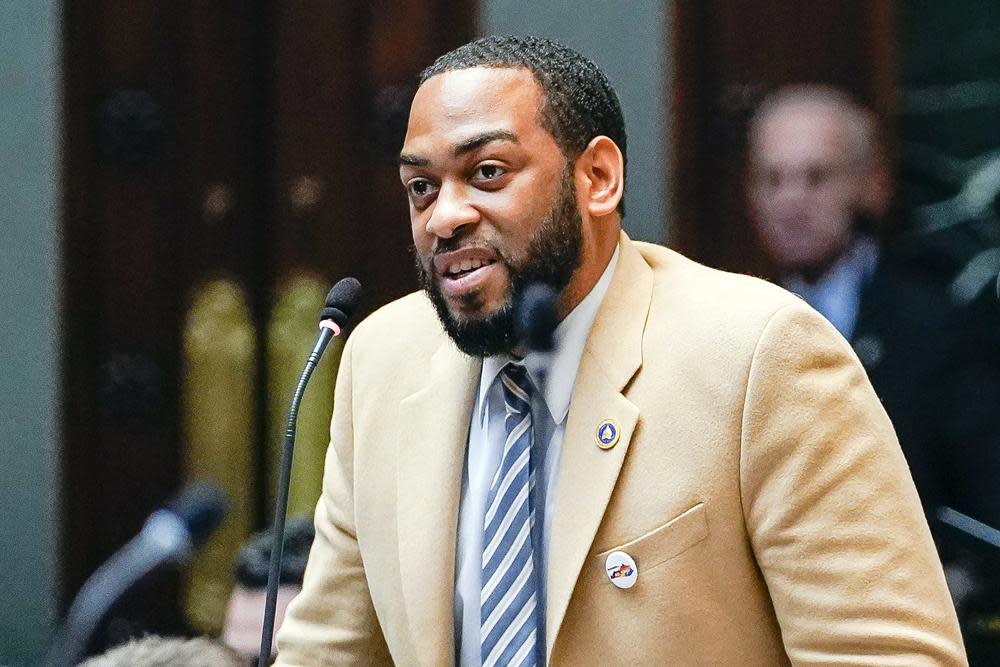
341,302
536,321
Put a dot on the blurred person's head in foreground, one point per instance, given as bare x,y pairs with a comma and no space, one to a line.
245,613
153,651
817,176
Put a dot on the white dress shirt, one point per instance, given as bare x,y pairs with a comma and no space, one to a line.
487,434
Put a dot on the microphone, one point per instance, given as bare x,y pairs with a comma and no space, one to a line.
170,535
535,323
341,302
537,317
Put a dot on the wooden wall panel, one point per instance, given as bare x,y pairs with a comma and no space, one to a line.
122,287
249,141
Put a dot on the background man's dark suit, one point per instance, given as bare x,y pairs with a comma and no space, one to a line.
936,368
937,375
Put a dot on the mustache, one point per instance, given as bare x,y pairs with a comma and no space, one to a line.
456,242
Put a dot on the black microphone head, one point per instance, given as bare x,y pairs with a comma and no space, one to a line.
201,506
537,317
341,301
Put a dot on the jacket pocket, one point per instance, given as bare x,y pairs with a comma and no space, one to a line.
669,540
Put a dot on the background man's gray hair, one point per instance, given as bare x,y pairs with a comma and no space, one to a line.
860,122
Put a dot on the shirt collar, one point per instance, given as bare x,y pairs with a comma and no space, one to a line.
570,339
850,272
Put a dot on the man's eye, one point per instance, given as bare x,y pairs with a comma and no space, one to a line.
819,176
489,172
421,192
420,187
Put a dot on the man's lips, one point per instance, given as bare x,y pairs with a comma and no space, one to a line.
465,270
453,264
796,221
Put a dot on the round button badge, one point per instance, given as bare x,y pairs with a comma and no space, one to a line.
621,569
607,434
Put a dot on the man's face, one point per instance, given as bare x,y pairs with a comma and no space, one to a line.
805,185
492,201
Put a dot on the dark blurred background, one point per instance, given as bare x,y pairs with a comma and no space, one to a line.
182,181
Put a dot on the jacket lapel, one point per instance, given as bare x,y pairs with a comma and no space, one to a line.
434,428
587,473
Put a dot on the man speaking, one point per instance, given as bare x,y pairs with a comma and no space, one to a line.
705,478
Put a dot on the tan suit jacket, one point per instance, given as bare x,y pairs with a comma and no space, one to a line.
757,484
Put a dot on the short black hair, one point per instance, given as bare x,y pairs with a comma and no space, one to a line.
578,100
253,562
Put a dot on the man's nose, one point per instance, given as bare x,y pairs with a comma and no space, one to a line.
452,209
792,186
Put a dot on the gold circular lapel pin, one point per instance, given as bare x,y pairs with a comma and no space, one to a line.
607,434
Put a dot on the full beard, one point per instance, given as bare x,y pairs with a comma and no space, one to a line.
552,256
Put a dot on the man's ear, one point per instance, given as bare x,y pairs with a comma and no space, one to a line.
876,190
600,177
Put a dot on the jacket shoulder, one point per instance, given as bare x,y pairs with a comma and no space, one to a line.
714,293
399,330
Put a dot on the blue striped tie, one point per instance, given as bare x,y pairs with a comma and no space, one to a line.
509,611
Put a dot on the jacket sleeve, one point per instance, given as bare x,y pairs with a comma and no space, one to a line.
332,621
831,511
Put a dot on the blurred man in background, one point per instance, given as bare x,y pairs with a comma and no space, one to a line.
819,187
